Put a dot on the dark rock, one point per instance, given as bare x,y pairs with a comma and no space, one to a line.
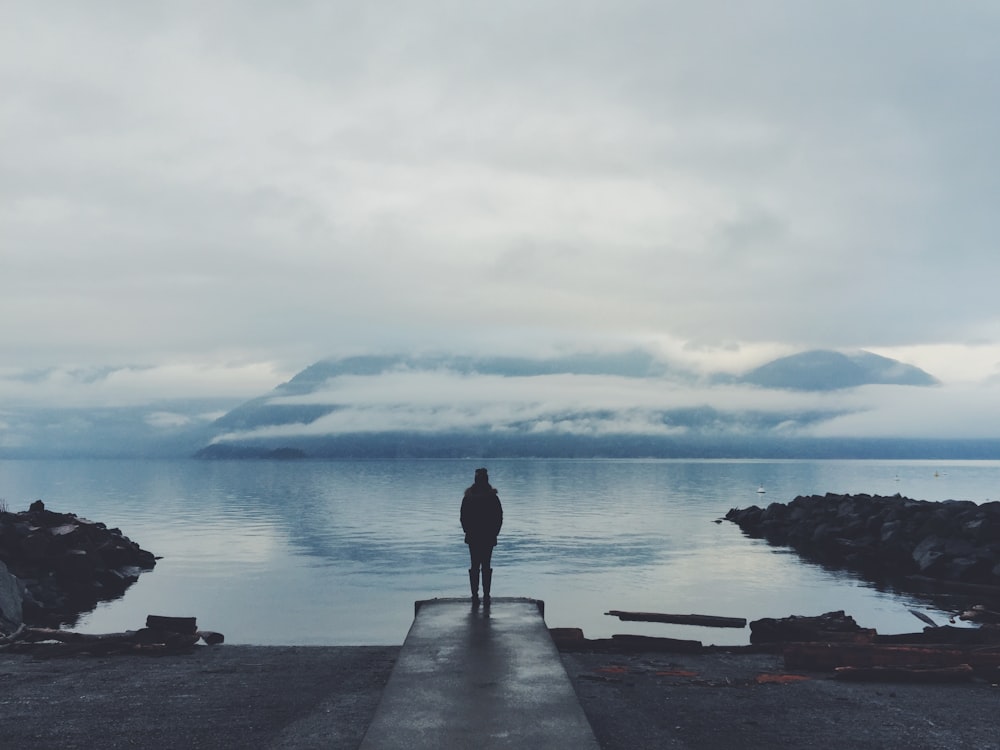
65,564
886,536
965,568
774,512
11,601
928,553
891,531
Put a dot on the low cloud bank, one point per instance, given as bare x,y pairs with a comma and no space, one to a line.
445,401
73,387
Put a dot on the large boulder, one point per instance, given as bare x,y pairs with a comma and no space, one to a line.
11,601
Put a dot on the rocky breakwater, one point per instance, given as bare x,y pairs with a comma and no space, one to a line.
957,541
56,566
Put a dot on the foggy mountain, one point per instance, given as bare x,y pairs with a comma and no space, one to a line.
827,370
629,404
626,404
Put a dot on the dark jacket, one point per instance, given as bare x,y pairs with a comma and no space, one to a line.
482,514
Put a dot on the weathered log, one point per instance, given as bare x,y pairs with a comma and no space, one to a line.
566,634
829,656
708,621
957,673
945,634
922,617
172,624
51,642
653,643
15,636
830,626
36,635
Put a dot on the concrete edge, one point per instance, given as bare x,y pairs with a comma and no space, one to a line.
496,600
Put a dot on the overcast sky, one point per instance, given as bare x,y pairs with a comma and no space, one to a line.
214,195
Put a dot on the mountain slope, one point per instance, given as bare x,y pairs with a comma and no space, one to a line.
623,404
823,370
271,410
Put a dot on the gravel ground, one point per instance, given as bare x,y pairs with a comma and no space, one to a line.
721,700
217,698
294,698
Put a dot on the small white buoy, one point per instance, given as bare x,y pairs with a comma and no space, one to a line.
761,490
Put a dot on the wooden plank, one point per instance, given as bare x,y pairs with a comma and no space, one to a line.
921,616
172,624
708,621
945,635
652,643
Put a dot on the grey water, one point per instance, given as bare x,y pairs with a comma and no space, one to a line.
336,552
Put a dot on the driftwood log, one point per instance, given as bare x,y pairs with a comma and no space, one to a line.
944,635
172,624
185,626
830,626
923,617
161,635
708,621
653,643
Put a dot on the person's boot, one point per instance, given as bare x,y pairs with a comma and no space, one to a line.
474,583
487,580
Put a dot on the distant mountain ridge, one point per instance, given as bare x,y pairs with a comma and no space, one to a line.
261,411
631,364
281,423
824,370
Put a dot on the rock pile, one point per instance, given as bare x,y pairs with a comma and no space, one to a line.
951,540
63,565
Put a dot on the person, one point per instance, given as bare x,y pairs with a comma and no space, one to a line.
482,517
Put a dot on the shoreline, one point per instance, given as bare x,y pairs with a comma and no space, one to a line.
298,697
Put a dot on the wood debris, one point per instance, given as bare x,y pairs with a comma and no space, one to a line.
162,635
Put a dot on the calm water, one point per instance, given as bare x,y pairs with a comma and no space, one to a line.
318,552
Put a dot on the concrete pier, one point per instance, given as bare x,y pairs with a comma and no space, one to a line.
479,677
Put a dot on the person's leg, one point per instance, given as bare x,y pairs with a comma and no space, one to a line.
475,562
487,571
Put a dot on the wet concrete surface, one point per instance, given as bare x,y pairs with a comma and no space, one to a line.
479,677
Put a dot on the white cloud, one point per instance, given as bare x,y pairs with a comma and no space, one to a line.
291,181
167,420
443,401
959,411
135,386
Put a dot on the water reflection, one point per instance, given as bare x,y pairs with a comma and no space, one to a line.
336,552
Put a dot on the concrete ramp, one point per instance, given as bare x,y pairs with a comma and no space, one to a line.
482,678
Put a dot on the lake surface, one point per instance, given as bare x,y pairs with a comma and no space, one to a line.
336,552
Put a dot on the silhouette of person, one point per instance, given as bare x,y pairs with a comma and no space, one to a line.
482,517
